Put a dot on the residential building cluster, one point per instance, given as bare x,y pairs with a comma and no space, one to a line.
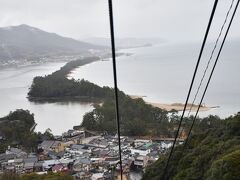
85,156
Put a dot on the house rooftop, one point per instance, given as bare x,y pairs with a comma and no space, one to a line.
77,146
5,157
30,160
46,144
140,158
38,164
29,165
83,161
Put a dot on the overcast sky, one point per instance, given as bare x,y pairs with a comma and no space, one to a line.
174,20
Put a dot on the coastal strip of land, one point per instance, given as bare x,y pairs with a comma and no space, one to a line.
180,107
176,106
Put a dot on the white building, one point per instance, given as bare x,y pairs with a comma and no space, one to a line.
140,151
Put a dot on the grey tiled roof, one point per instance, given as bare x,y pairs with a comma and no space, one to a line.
5,157
30,160
46,144
28,165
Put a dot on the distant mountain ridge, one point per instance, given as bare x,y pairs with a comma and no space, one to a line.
24,41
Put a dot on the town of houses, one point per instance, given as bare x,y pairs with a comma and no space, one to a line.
85,156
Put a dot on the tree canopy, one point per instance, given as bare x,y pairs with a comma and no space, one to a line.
212,153
136,118
17,129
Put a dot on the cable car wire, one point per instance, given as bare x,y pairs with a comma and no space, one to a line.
115,81
214,66
211,56
191,85
209,61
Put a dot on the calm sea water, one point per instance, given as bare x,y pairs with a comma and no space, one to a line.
163,74
14,85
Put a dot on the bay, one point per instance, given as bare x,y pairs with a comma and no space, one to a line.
58,116
163,74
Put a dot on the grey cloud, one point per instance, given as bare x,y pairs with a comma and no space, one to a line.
171,19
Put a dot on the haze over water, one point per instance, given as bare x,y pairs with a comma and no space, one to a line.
162,73
59,117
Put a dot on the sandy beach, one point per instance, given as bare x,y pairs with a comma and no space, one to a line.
175,106
179,107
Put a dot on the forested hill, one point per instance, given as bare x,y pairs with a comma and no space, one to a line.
212,154
58,86
15,130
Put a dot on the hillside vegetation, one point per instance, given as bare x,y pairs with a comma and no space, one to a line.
213,153
58,86
17,130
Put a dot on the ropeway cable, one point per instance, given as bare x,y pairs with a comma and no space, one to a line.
211,56
209,61
214,66
115,80
190,89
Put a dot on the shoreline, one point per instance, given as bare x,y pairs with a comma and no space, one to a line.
179,107
175,106
106,57
79,99
69,74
